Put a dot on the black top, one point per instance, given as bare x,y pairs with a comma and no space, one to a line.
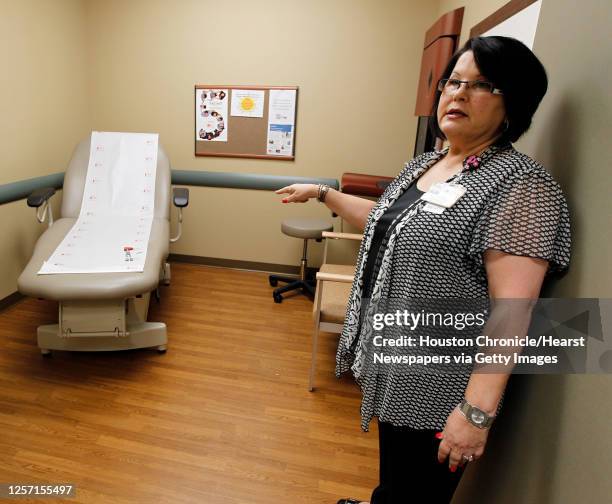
384,229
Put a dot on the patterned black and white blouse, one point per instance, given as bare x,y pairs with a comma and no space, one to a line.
511,204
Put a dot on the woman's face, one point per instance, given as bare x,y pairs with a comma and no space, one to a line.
478,115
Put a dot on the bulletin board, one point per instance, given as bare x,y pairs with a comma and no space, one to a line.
245,121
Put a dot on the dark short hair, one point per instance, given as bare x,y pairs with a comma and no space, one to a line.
512,67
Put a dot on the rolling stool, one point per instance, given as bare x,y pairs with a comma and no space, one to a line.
307,229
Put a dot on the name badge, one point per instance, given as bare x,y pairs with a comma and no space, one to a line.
431,208
444,194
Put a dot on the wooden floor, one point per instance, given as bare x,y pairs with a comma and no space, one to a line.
223,418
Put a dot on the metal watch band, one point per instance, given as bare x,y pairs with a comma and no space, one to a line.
322,193
472,413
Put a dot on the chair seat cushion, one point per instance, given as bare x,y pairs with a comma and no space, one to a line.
81,286
335,294
305,228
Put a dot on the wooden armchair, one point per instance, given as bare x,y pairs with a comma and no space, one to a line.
331,297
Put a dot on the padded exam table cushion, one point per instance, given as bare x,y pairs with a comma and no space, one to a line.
92,286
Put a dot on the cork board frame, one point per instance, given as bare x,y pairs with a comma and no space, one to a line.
246,136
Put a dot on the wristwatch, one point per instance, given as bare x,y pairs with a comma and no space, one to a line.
475,415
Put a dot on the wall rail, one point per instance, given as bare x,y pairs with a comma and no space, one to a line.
21,189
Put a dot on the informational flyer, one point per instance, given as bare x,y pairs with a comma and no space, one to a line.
247,102
281,122
112,231
211,115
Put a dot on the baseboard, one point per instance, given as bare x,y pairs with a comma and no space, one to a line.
10,300
236,264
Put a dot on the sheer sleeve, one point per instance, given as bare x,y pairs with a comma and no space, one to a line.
528,216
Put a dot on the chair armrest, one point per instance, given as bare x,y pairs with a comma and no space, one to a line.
334,277
180,197
38,197
341,236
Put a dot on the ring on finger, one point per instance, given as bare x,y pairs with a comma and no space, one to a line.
468,458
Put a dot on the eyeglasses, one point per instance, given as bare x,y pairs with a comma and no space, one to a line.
475,86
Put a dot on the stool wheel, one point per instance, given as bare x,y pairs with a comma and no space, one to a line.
273,282
277,297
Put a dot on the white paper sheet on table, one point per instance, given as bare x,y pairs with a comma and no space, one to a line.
112,231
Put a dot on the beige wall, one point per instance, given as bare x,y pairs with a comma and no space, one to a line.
553,441
74,66
356,63
45,109
571,133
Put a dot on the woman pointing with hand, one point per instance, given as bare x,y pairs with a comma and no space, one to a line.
475,220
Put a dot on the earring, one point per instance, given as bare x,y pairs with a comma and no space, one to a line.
506,124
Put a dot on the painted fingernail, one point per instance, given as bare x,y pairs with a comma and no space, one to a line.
284,201
453,468
439,435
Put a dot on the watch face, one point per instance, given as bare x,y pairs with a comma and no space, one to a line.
477,416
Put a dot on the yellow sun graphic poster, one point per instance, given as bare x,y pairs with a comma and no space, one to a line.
247,102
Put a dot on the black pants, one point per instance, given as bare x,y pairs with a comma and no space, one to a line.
409,469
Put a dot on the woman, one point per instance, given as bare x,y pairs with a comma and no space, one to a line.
499,239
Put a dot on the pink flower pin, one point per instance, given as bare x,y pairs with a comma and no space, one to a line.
473,161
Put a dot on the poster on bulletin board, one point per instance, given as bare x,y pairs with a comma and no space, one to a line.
245,121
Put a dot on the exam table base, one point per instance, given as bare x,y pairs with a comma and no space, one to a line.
144,335
103,325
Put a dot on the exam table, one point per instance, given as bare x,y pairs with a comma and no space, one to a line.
101,311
